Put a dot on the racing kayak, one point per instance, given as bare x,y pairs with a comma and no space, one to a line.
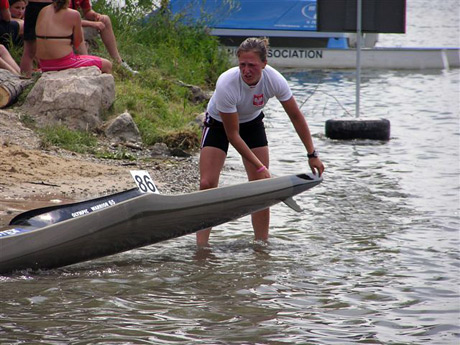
62,235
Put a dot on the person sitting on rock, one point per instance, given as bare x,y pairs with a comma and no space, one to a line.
7,62
9,29
58,32
103,25
33,9
17,9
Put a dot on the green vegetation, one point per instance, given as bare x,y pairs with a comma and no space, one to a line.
76,141
165,52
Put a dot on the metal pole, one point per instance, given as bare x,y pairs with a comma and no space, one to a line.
358,55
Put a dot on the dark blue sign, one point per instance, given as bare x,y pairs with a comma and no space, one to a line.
299,15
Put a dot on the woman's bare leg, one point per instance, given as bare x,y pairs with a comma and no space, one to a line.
7,62
27,59
212,160
106,66
260,219
108,37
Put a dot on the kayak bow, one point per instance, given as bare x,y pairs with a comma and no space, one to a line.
61,235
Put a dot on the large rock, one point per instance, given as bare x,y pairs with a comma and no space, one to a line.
75,97
122,129
197,95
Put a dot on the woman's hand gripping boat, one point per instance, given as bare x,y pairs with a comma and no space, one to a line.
61,235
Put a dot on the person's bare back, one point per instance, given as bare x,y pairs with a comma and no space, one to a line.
57,32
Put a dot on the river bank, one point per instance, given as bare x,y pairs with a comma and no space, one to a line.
31,176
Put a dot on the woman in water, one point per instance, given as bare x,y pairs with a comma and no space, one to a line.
234,115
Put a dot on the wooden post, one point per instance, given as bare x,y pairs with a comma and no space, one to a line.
11,86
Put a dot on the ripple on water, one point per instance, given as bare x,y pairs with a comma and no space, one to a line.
373,258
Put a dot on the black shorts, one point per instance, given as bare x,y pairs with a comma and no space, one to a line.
252,132
9,32
30,18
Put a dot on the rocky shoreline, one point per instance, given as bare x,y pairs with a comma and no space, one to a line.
33,177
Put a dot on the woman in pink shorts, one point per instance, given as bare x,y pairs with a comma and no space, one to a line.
58,32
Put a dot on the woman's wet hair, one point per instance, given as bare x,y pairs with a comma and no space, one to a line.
60,4
256,45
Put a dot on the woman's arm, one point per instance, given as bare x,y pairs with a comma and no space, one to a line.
231,125
91,15
5,15
299,122
92,19
21,25
77,30
301,127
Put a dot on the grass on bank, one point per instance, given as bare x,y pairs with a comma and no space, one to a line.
79,142
61,136
164,51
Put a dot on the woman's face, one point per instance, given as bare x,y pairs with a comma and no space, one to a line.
251,67
17,9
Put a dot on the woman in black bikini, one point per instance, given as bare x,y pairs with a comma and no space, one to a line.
56,52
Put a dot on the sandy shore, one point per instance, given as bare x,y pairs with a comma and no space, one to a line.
31,177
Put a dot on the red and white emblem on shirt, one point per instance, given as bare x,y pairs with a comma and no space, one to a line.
258,100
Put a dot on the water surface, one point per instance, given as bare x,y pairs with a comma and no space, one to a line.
373,259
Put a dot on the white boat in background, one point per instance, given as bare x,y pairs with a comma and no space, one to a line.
291,28
371,58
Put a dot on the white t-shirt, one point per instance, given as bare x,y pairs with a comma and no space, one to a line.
233,95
